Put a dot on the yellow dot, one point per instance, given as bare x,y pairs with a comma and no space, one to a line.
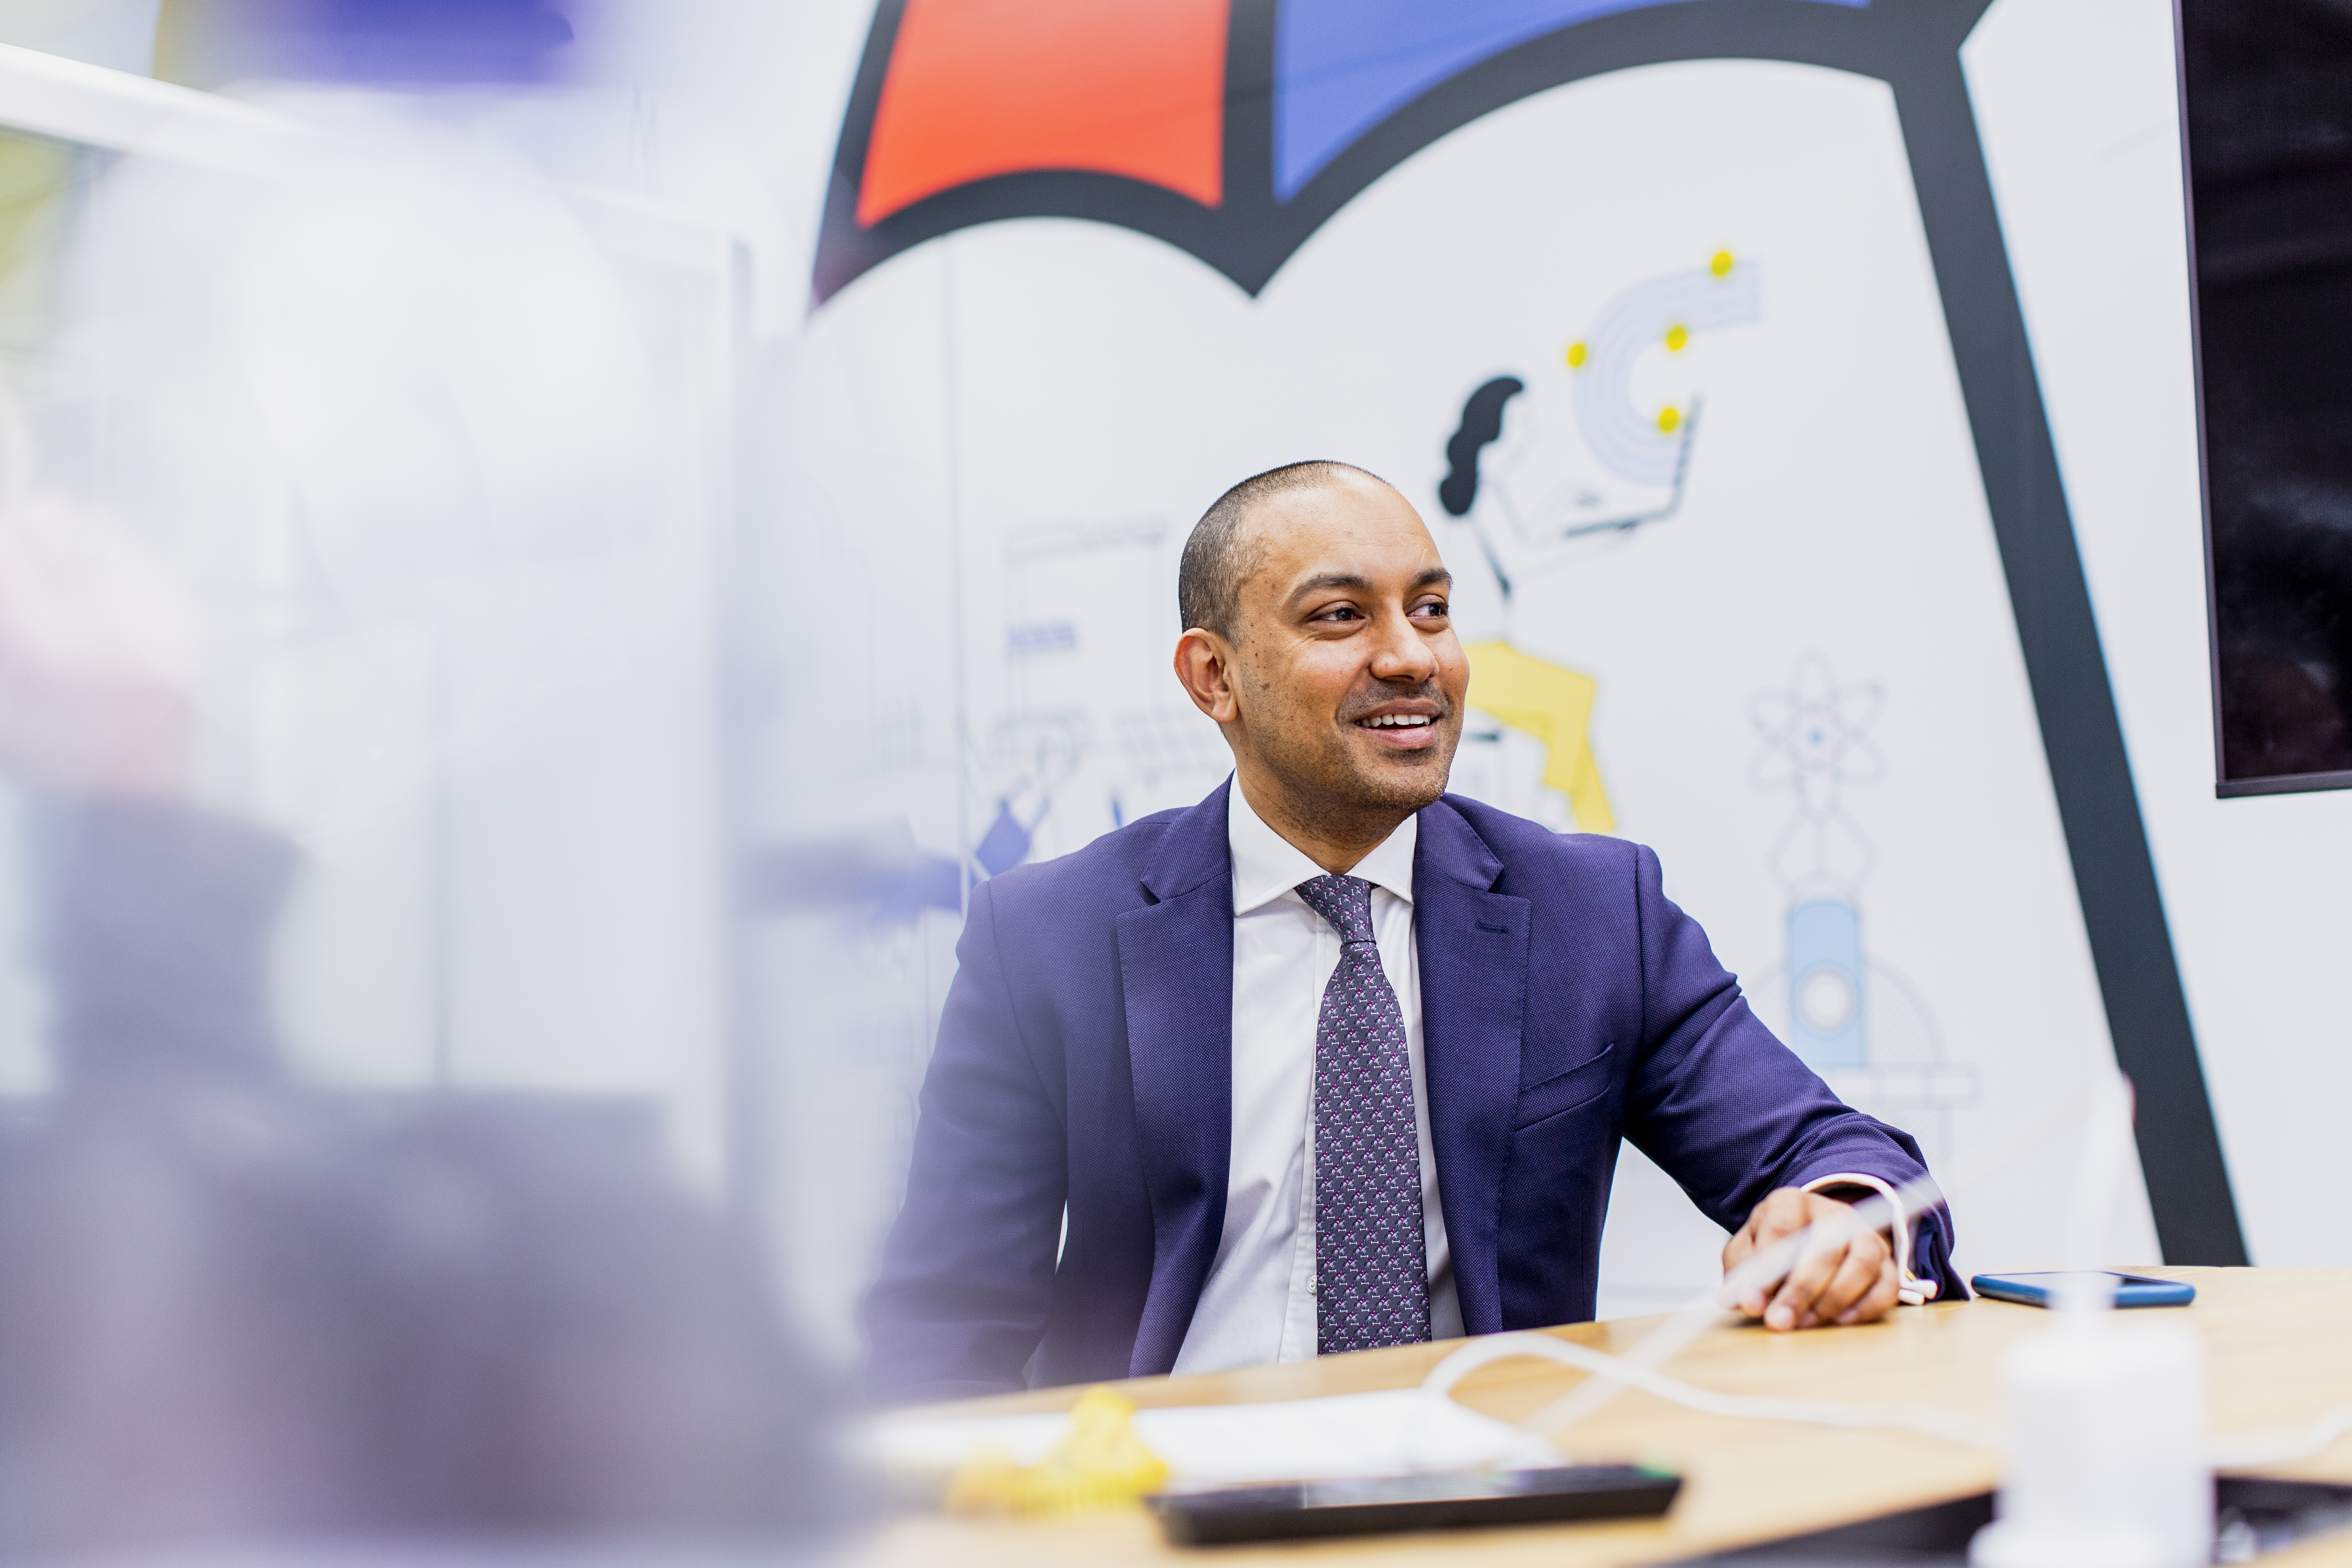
1721,264
1668,418
1676,336
1575,353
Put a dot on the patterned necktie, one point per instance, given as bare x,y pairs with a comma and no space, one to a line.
1371,1272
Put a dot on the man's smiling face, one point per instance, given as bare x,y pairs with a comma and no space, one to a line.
1347,678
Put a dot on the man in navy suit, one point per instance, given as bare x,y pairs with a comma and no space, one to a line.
1334,1059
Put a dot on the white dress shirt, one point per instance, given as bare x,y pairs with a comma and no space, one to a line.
1258,1305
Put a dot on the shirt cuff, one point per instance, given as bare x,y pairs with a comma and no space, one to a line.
1910,1290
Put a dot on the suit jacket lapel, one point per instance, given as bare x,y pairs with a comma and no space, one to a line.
1176,971
1473,943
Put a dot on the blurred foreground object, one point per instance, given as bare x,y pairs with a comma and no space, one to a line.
304,452
210,43
999,1462
235,1306
1101,1463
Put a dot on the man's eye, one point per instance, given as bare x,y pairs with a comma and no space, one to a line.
1434,610
1339,613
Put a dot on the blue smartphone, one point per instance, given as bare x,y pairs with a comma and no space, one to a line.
2042,1290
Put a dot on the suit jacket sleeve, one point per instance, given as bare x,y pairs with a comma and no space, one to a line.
966,1283
1730,1111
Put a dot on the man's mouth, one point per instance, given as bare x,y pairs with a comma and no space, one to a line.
1407,726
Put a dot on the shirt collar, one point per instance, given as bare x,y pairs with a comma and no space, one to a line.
1266,865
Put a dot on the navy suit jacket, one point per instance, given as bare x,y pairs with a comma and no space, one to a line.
1085,1058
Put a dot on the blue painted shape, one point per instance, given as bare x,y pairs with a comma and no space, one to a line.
1826,995
405,41
1341,67
930,882
1006,844
1041,636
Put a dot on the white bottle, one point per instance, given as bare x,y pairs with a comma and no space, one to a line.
2107,1464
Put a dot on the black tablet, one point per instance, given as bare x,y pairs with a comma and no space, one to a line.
1453,1501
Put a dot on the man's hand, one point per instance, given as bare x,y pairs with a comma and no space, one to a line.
1846,1273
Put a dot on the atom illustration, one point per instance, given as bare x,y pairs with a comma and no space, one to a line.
1816,744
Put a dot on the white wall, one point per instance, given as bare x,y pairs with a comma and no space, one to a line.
2077,104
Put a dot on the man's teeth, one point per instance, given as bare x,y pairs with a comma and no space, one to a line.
1398,721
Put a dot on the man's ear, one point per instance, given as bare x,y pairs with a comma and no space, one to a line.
1205,663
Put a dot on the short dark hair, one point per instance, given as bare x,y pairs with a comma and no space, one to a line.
1221,555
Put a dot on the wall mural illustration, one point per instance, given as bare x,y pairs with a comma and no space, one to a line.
1550,484
1853,1017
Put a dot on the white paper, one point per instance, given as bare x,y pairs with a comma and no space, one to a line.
1396,1432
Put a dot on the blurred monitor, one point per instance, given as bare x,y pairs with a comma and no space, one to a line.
2267,125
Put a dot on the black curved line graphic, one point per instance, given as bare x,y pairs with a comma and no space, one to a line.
1914,47
1481,424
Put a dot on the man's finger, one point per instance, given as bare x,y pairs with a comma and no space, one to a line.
1852,1281
1880,1299
1743,1249
1777,1218
1749,1300
1780,1216
1814,1269
1738,1250
1782,1213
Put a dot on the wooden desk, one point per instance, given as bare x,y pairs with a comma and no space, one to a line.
2280,1343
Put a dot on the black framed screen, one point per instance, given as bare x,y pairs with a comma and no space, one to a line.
2267,126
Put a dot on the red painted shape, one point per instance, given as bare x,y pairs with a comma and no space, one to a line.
994,87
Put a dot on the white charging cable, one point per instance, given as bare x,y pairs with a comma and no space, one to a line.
2282,1445
1761,1270
1621,1370
1638,1368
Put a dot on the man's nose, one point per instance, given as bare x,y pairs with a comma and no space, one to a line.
1402,652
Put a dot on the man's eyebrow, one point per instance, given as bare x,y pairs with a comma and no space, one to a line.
1322,580
1356,583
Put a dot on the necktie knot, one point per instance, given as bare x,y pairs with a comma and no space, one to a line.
1346,902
